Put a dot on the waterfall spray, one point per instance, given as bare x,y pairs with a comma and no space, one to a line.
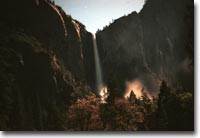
99,81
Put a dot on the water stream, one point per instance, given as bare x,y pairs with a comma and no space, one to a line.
99,81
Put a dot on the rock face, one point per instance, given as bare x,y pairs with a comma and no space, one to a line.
153,45
67,37
45,60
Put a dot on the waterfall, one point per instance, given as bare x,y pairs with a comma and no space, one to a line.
99,81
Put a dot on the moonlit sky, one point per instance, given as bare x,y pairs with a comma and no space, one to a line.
95,14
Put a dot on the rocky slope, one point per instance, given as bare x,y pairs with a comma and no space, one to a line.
45,59
153,45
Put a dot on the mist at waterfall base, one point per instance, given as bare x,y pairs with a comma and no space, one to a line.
137,86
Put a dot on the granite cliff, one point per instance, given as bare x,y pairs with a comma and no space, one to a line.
44,64
153,45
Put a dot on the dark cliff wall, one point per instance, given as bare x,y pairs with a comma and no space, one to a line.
44,60
49,23
153,45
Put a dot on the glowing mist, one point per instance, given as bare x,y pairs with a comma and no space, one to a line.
99,81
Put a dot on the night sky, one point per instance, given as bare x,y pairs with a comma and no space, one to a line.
96,14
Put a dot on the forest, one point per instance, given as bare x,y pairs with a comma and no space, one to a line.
171,111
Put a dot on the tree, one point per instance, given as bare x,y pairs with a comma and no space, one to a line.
132,97
84,114
113,91
164,90
161,114
175,110
121,115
